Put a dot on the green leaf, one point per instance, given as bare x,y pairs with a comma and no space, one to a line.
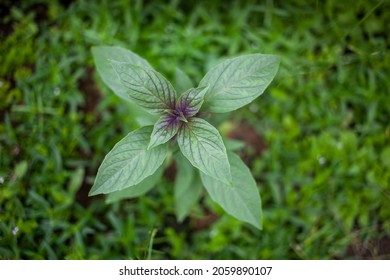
202,145
242,199
76,180
103,57
129,162
146,87
190,102
21,169
182,81
164,129
140,189
188,188
238,81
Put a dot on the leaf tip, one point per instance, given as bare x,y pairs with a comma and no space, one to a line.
180,217
150,146
92,192
258,225
205,88
95,190
183,118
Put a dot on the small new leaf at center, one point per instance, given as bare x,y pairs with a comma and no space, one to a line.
182,117
189,103
164,129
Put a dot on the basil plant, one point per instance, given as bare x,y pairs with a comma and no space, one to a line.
135,164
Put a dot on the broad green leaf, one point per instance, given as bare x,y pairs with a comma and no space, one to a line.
242,199
238,81
202,145
146,87
188,187
140,189
129,162
182,81
103,57
164,129
190,102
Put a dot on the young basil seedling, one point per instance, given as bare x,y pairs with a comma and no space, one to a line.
135,164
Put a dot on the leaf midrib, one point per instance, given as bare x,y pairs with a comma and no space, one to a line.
201,144
213,93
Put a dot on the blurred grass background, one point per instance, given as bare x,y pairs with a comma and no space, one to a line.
317,140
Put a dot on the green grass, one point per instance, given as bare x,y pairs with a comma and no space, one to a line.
324,175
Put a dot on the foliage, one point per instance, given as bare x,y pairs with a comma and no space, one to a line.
226,87
317,145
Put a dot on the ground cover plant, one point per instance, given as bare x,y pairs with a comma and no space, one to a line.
317,143
131,167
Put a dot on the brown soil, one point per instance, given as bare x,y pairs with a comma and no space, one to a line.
254,142
92,98
377,249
